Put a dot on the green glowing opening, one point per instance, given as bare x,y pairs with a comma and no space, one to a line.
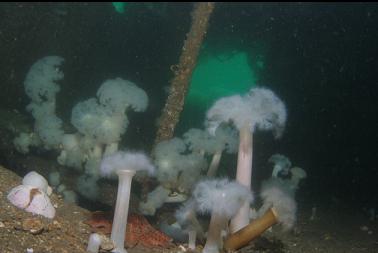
219,76
119,7
215,77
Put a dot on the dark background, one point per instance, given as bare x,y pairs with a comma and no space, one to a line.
320,58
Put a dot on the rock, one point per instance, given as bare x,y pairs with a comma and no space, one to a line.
106,243
33,225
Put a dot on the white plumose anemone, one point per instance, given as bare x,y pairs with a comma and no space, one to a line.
177,172
118,94
41,87
222,199
40,83
259,109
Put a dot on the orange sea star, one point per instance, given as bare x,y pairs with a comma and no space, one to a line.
138,230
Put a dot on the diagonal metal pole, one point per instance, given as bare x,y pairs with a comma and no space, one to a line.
183,71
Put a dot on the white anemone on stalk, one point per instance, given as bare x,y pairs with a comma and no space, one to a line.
125,165
259,109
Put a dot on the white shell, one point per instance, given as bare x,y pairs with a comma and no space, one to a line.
39,204
36,180
20,196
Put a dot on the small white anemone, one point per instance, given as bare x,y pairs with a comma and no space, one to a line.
96,121
220,196
297,174
222,199
281,164
278,195
199,140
